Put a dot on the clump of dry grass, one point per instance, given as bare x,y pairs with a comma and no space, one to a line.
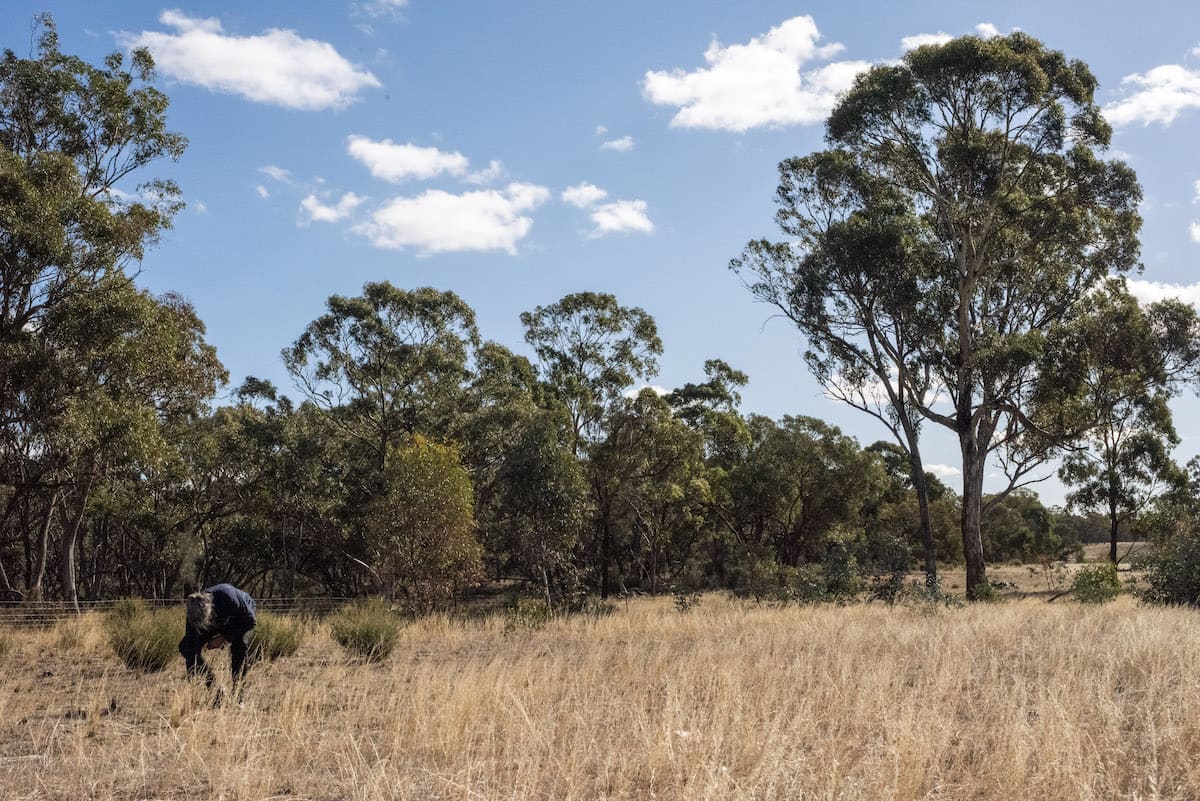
732,701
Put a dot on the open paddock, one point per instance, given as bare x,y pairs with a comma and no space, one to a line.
731,700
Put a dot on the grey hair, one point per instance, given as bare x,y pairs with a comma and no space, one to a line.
200,610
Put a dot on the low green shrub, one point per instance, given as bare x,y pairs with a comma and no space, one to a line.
527,614
1096,584
367,630
146,640
274,636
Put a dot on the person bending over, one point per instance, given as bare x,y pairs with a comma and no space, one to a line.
219,615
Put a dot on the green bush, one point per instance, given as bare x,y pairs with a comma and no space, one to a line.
1172,571
526,614
1096,584
126,609
368,630
146,640
274,636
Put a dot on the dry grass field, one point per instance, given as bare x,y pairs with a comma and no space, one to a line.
1018,700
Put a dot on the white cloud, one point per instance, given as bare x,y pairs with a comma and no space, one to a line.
757,84
313,210
200,207
262,191
1154,291
601,130
632,394
395,163
943,470
1158,96
621,216
921,39
987,30
1196,189
1194,232
494,172
382,8
583,194
277,67
622,145
277,174
440,222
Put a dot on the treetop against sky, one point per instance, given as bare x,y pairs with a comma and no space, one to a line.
514,153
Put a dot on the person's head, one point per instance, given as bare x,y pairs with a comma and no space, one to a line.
200,610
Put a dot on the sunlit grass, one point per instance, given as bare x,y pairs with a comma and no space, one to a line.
1021,700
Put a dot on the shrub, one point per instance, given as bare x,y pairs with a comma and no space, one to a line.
1096,584
1172,571
274,636
145,640
368,630
526,614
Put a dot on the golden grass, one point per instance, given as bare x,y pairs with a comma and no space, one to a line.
1022,700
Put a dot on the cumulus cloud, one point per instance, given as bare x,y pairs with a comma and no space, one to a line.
395,163
621,216
943,470
262,191
601,130
922,39
987,30
440,222
1159,95
583,194
313,210
1154,291
1194,232
278,67
757,84
1196,189
621,145
493,172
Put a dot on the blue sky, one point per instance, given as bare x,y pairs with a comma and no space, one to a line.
515,152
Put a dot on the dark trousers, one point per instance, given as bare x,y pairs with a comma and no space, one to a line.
192,649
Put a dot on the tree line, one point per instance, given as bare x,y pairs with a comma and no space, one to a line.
948,261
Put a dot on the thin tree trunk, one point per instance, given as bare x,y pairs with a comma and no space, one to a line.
43,550
921,486
1114,521
69,540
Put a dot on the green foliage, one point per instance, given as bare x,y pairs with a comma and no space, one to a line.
422,530
368,630
527,614
1096,584
146,640
274,636
1172,570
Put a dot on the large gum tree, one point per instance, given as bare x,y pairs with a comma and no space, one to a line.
994,147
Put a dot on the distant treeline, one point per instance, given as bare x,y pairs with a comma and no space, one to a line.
941,275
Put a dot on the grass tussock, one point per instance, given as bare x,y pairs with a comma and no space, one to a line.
146,640
368,630
274,636
730,701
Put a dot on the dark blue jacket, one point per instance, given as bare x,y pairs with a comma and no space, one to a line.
233,610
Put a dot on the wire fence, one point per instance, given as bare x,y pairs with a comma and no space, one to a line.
45,613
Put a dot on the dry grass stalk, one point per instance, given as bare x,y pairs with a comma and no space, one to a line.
731,701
